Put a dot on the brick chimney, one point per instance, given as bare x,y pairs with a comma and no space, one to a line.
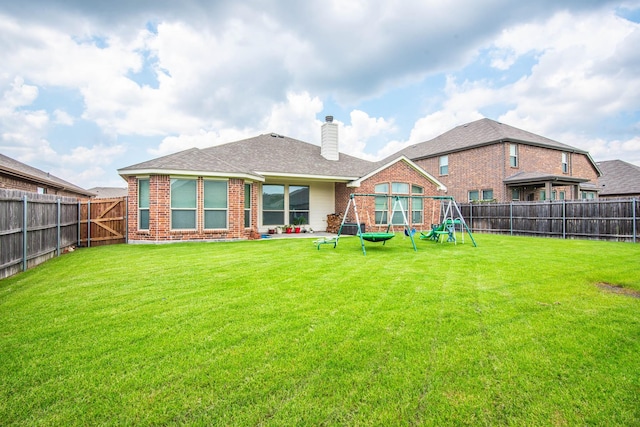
329,139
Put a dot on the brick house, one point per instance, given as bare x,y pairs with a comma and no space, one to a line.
239,189
492,161
15,175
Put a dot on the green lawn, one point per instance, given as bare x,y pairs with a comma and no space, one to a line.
274,332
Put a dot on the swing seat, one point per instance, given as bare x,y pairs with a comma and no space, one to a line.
377,237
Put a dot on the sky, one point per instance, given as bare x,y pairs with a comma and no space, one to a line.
89,87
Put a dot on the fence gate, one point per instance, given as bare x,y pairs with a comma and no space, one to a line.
103,222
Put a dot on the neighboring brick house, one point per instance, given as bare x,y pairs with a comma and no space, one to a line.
492,161
19,176
619,180
239,189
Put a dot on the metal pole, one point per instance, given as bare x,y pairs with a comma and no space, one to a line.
58,231
564,219
24,233
511,218
635,228
79,223
88,223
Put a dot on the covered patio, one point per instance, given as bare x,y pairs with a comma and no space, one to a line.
530,186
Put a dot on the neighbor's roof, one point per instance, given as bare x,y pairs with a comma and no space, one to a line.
109,192
25,172
255,158
478,133
619,178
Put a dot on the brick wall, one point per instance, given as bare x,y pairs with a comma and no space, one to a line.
160,213
398,172
485,168
9,182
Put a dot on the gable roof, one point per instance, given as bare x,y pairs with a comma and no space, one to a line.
619,178
255,158
481,132
25,172
382,165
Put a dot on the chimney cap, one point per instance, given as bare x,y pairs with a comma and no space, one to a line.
329,119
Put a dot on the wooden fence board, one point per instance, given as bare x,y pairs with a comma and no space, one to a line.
593,219
53,223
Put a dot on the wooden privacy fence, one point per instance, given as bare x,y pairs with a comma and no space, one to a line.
568,219
37,227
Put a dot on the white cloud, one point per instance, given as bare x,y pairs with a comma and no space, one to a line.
354,137
63,118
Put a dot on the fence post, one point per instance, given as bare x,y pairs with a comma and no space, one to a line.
511,218
24,232
79,223
635,228
88,223
564,219
58,231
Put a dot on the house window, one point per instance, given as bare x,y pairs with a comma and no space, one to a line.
515,194
382,203
565,163
272,204
562,195
543,195
444,165
298,203
396,189
143,204
247,205
417,204
588,195
474,195
40,190
487,194
513,155
215,204
183,204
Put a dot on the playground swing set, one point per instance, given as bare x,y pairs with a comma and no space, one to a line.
449,213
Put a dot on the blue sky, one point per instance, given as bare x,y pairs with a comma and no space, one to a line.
88,88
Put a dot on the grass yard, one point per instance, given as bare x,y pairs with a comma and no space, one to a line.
518,331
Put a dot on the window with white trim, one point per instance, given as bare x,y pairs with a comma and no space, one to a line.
382,203
398,188
143,204
215,204
513,155
444,165
273,204
565,163
298,203
183,203
417,205
247,206
474,195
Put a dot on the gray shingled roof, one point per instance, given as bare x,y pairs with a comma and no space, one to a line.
619,178
19,169
478,133
267,154
109,192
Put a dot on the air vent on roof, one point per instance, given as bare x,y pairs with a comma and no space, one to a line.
275,135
